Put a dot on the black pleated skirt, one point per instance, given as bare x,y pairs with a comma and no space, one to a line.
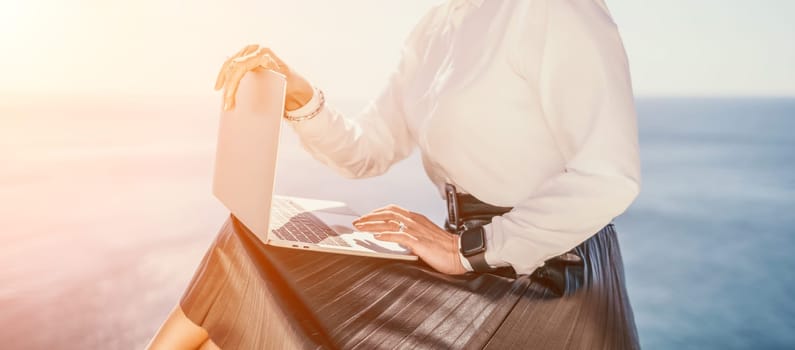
252,296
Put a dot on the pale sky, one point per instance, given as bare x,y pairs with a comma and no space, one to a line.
174,47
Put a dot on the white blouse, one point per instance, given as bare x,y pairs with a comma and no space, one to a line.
521,103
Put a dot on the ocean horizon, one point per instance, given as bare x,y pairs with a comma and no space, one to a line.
88,183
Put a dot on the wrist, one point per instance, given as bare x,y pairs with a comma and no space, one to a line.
299,92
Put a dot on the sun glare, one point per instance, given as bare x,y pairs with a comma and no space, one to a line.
28,38
12,17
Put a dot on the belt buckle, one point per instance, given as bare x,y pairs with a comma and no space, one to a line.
452,206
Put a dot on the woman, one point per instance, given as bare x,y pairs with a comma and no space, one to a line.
523,111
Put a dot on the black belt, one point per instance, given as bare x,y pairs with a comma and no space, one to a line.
465,211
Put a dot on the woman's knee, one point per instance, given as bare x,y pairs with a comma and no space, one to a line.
178,332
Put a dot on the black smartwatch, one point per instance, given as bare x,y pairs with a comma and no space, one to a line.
473,247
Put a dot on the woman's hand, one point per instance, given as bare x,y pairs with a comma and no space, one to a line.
431,243
253,58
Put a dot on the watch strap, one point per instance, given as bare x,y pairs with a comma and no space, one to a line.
478,262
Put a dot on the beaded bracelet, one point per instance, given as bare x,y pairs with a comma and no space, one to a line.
292,117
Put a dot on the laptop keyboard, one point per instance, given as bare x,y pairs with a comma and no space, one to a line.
292,223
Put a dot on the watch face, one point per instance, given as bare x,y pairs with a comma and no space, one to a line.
472,242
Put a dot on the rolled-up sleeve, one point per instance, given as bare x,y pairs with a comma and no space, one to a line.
586,96
368,143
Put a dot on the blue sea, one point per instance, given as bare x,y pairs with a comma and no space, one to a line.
100,194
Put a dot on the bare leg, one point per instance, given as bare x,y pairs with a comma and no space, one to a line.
178,332
209,345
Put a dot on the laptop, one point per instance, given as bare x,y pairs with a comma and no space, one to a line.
244,177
